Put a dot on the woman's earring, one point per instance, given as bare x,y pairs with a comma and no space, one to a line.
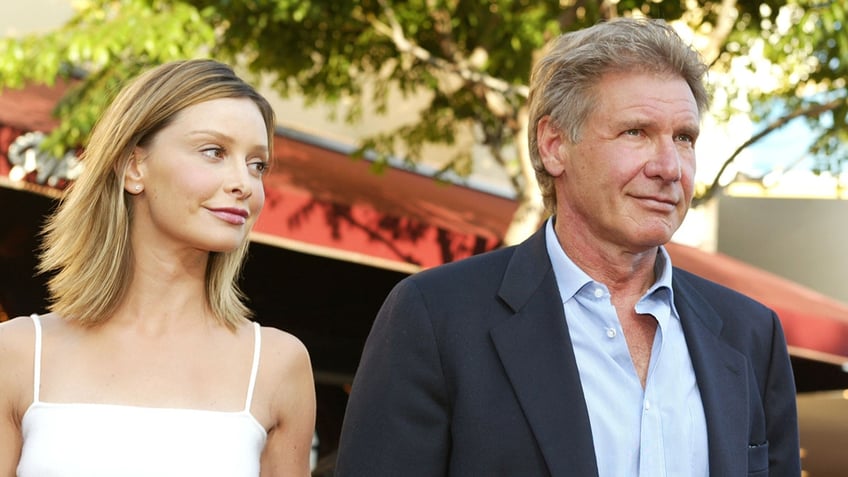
138,187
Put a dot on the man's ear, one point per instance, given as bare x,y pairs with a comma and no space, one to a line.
550,143
134,172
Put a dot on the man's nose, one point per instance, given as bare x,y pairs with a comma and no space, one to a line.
666,161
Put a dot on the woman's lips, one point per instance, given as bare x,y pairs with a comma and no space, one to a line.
231,215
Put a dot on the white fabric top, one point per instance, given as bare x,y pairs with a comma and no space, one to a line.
104,440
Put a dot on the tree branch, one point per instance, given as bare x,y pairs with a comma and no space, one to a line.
723,27
394,31
812,111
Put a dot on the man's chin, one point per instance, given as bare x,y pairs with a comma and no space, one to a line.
655,238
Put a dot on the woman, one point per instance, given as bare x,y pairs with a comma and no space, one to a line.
148,363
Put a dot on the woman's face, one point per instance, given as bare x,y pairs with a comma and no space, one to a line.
200,178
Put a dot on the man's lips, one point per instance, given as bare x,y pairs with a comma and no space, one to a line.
658,202
232,215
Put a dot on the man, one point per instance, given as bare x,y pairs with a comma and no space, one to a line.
582,352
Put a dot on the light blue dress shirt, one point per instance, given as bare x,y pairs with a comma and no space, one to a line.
652,432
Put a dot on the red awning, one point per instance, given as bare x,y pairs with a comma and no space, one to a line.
816,326
321,201
318,198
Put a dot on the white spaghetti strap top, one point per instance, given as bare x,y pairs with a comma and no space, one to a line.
36,365
105,440
254,368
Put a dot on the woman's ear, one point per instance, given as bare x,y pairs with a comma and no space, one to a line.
134,172
550,144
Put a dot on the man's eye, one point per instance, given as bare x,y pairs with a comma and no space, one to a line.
633,132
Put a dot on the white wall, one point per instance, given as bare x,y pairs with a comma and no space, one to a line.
804,240
18,17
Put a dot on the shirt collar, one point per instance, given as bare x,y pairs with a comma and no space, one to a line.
570,278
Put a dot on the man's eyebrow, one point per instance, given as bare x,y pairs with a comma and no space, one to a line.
693,130
632,122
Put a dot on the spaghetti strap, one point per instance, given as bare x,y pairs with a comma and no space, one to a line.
36,367
257,347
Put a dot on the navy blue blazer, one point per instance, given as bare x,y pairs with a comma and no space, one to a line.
469,371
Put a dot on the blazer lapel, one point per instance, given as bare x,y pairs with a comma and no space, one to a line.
721,373
536,352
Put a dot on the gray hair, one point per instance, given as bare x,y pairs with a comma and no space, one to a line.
562,82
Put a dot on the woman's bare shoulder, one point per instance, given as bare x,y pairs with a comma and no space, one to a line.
20,327
16,335
17,350
283,349
285,383
290,403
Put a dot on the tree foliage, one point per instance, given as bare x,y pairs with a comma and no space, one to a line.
470,58
103,45
794,61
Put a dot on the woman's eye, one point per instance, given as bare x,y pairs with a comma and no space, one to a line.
214,151
259,166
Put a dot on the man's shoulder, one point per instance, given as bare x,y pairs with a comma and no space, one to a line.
528,256
716,294
480,266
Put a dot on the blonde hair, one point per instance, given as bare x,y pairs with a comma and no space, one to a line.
86,245
562,84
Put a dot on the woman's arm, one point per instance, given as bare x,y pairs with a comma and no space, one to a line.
289,443
16,337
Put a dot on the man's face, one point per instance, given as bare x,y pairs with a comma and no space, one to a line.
628,181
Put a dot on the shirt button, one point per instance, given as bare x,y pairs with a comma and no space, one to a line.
610,332
647,405
598,293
